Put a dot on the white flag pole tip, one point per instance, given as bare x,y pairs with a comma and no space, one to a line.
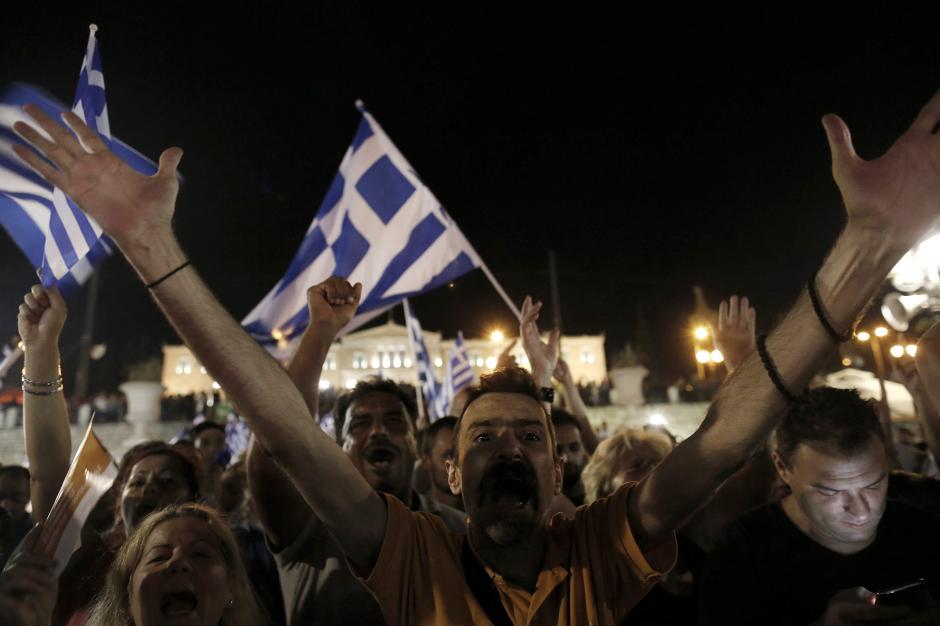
361,106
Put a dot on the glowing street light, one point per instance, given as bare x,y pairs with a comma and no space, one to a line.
490,362
703,356
846,362
717,356
657,420
881,331
862,336
497,336
911,350
897,351
701,333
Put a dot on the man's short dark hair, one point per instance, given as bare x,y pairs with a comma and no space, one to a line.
837,420
15,472
504,380
202,427
367,386
560,417
428,435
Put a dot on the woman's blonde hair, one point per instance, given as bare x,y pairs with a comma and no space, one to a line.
599,473
113,604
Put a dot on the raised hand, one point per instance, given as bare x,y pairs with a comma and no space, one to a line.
28,586
41,317
562,374
332,304
128,205
543,356
897,195
735,336
505,358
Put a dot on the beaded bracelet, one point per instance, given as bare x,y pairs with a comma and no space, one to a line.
772,369
35,383
51,392
821,314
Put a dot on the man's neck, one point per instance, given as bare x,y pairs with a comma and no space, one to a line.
519,564
794,513
446,497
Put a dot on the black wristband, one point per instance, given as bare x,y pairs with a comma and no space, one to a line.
821,314
548,394
167,275
772,369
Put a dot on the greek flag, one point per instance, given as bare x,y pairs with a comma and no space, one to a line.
457,375
378,225
427,381
50,230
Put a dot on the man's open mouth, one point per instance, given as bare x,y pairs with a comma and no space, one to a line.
381,457
512,492
178,603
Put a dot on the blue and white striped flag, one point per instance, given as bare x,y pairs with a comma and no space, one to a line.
458,373
378,225
427,381
53,233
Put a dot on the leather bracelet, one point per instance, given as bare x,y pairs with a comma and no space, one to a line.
547,393
168,274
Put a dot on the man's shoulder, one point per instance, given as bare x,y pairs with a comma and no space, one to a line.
456,521
753,527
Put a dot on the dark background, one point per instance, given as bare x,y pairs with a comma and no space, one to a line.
652,147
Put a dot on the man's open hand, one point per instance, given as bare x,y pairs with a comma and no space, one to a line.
735,336
128,205
895,196
543,356
332,304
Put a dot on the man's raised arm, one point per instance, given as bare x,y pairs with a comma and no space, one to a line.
136,211
890,203
280,506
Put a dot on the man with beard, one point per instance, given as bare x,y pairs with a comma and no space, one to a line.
570,448
375,427
512,568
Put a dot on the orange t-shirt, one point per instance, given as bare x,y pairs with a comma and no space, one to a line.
593,574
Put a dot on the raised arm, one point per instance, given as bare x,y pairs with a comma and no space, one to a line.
890,203
136,211
45,417
280,506
576,405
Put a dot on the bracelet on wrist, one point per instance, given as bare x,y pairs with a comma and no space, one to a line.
39,383
821,314
51,392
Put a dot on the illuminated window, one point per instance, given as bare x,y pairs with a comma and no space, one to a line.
359,361
587,356
330,362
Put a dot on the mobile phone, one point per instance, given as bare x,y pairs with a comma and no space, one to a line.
913,594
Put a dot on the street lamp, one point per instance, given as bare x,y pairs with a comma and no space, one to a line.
497,336
862,336
897,351
701,333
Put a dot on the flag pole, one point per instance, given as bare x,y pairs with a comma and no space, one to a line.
419,395
499,289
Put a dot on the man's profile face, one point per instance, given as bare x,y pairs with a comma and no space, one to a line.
379,441
14,495
505,467
568,446
839,499
435,461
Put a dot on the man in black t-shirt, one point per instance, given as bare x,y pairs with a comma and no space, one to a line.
819,555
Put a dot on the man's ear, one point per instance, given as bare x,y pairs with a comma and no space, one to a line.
454,480
782,470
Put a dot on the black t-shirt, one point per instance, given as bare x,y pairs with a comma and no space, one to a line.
764,570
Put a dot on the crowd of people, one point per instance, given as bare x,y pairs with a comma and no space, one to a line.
787,506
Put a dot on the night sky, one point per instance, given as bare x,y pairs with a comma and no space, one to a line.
652,148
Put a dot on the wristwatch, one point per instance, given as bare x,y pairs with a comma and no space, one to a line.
548,394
